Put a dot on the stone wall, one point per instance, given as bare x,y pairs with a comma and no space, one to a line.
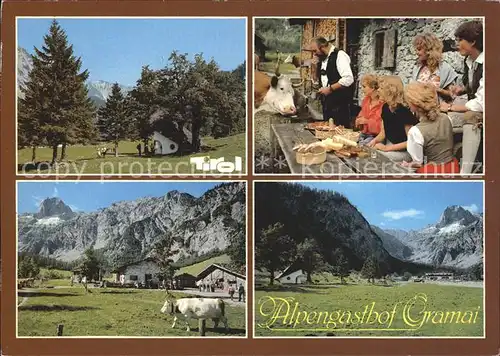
406,29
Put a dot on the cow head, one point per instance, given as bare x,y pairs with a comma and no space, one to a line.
280,96
168,307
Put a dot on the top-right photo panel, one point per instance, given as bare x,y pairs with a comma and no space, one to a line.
368,96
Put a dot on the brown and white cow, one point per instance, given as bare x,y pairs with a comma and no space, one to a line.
275,93
196,308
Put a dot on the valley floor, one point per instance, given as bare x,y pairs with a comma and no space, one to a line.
323,310
110,312
83,159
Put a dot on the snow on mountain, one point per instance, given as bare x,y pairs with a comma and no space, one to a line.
456,240
99,90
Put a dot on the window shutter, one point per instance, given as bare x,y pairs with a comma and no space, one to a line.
389,54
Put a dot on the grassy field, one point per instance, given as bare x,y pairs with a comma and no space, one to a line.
110,312
196,268
83,159
332,298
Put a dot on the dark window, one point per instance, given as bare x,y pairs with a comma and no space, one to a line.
133,278
172,146
288,278
379,49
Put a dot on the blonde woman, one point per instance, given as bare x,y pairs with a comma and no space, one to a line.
369,118
430,67
430,142
397,120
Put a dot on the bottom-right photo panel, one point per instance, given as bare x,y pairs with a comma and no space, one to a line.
369,259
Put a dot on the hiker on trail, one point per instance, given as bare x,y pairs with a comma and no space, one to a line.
231,292
241,293
139,149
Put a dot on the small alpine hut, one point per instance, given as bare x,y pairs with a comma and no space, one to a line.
185,280
260,47
293,274
144,271
220,275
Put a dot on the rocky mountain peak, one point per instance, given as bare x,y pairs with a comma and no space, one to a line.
456,214
54,207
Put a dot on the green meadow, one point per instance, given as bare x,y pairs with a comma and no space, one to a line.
110,312
333,300
84,159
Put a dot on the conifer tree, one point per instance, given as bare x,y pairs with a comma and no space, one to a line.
114,119
55,108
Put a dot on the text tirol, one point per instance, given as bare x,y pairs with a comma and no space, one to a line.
286,314
206,164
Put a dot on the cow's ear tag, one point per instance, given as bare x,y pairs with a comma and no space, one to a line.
274,81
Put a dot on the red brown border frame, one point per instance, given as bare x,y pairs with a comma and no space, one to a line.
12,346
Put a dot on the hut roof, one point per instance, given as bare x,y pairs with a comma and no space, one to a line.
118,269
215,266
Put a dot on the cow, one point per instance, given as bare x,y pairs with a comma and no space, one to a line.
274,94
196,308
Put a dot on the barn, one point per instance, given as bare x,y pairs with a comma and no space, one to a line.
220,275
143,272
185,280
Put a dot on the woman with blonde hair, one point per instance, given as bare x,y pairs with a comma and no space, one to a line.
430,142
369,118
397,120
430,66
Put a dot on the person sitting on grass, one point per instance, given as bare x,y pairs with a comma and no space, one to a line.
432,137
369,118
397,120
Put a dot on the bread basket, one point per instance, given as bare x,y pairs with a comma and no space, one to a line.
316,155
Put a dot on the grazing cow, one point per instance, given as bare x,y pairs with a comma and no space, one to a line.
274,94
196,308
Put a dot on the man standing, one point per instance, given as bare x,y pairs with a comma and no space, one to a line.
336,78
469,38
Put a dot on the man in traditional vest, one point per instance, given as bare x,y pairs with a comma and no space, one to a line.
469,37
336,79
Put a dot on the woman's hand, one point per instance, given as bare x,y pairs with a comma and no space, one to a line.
456,89
372,143
361,121
445,107
382,147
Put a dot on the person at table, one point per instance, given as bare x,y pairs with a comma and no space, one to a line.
397,120
431,140
430,66
469,37
369,118
336,78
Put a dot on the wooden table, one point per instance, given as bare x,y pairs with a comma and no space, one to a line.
289,135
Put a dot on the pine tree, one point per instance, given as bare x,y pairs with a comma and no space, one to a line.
370,269
55,96
114,119
144,104
340,265
90,266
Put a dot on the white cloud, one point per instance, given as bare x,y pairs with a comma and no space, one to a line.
56,192
382,224
401,214
472,208
37,201
74,208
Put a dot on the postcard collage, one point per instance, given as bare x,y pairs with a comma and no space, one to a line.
249,177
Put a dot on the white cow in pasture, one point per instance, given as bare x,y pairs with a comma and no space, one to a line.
196,308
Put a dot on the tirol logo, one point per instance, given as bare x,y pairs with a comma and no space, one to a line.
206,164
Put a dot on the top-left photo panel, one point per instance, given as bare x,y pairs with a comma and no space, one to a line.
131,96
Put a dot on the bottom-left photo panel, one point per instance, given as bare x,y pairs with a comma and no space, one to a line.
131,259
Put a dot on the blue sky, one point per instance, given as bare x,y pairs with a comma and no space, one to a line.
407,205
90,196
114,50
